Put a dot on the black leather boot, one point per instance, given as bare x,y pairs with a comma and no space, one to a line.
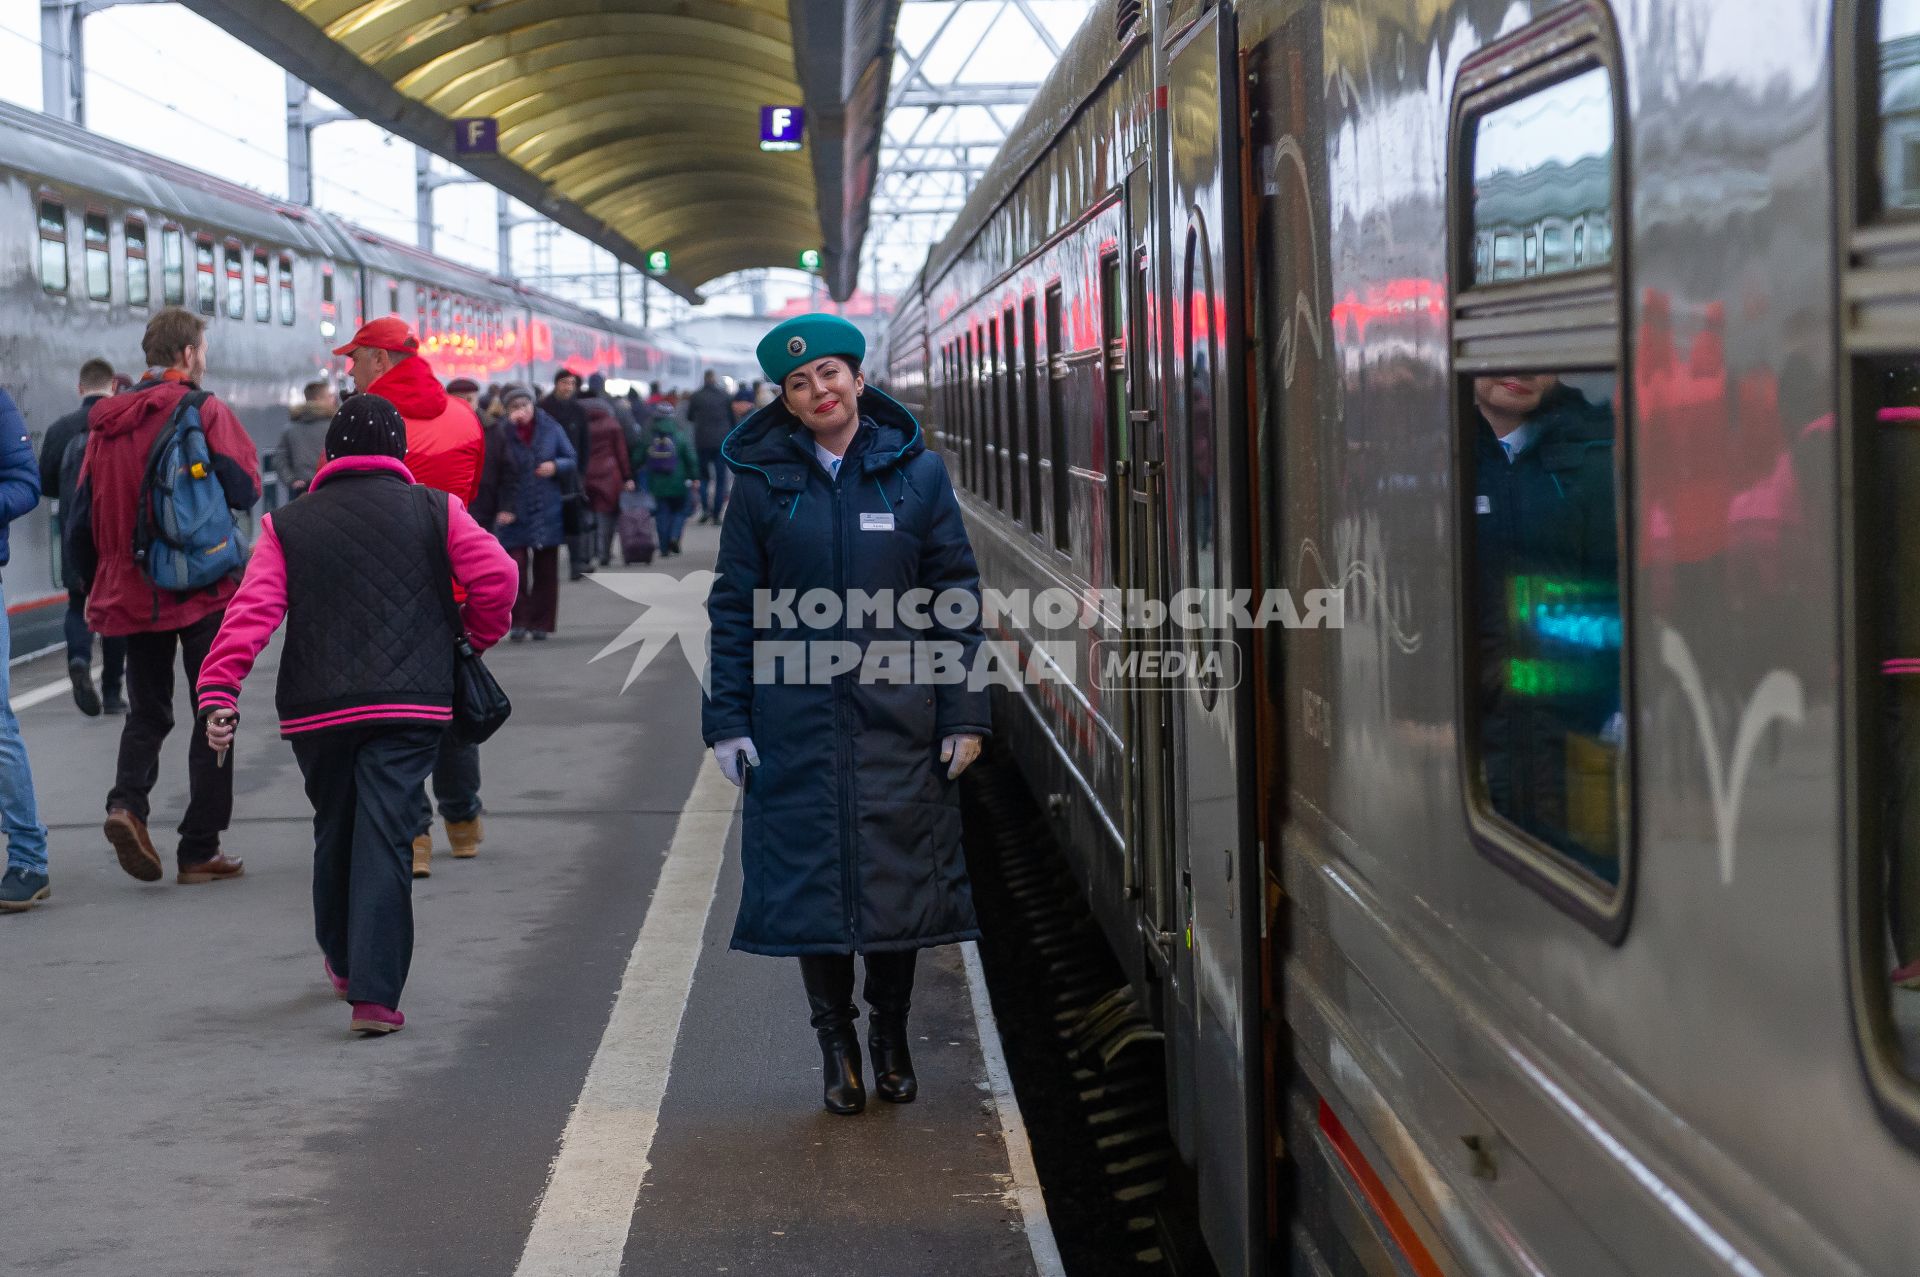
829,981
889,995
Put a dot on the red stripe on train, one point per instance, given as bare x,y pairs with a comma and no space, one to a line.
1377,1196
15,609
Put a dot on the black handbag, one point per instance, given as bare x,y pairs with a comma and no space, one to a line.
576,515
480,704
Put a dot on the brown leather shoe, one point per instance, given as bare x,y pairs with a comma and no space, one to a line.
465,836
423,856
219,869
128,834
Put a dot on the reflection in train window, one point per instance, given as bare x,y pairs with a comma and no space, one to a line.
173,266
139,283
1545,573
1031,382
1899,113
262,287
286,289
1200,349
1890,632
1057,417
1016,434
99,256
53,246
996,417
1546,157
205,286
236,284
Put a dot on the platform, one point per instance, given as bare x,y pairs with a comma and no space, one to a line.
181,1097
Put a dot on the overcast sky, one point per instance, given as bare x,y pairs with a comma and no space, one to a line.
162,79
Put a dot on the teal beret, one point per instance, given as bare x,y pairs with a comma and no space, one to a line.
805,338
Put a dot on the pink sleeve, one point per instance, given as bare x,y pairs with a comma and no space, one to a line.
486,572
253,614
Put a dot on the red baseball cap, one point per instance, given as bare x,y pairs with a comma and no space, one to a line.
389,332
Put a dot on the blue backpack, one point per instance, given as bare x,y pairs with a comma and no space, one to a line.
184,537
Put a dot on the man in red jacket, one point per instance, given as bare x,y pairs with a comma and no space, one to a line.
446,449
154,621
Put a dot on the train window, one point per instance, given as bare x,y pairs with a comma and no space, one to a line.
1541,465
1548,154
262,286
173,266
286,289
1114,360
139,283
1896,53
1199,344
393,298
1057,415
1016,435
99,256
1030,381
205,286
970,461
236,283
53,246
995,417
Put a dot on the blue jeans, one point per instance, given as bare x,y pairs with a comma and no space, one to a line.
715,478
19,815
670,517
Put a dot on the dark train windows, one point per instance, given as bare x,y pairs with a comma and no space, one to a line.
393,298
968,431
1010,384
1113,344
1543,170
262,286
205,286
1057,416
1200,356
53,246
173,266
1030,382
286,289
236,282
98,246
1540,447
139,282
995,418
1894,48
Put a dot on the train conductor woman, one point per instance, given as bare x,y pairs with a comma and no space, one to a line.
851,835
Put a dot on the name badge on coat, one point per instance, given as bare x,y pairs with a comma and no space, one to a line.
876,522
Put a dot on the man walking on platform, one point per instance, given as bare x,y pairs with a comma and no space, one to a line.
124,602
710,412
61,454
25,882
446,449
564,406
303,446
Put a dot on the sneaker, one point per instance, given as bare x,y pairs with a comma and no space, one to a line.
541,636
113,702
516,636
21,889
339,982
132,845
371,1018
80,672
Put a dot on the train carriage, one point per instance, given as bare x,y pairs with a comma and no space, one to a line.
1558,905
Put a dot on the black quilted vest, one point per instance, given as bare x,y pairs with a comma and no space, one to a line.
365,624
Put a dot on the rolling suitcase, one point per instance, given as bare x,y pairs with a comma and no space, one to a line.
637,539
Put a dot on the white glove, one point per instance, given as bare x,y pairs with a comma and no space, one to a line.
727,754
959,752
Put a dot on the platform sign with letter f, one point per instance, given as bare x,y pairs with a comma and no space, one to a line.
781,128
478,135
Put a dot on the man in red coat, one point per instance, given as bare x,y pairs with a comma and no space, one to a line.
446,449
156,621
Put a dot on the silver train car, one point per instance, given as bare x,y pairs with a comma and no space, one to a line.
1630,990
102,235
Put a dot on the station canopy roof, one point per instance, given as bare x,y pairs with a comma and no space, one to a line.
635,123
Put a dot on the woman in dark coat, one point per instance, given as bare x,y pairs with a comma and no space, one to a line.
851,836
525,491
609,472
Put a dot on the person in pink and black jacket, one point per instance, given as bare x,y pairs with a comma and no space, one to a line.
358,569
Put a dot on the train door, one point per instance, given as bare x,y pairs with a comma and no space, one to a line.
1220,864
1140,568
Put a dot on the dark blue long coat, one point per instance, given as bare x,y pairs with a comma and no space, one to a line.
534,502
851,835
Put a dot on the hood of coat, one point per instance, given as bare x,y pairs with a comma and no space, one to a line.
772,442
124,414
411,387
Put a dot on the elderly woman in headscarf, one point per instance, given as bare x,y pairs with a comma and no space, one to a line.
360,569
851,836
527,490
